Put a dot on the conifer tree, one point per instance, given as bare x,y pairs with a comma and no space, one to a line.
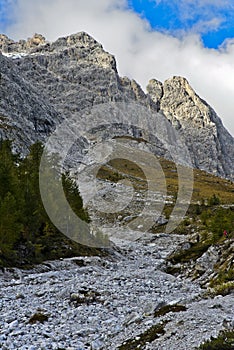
10,196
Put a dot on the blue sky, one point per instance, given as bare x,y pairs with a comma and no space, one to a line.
213,20
149,38
5,14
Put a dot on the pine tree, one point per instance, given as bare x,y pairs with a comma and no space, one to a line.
10,226
74,198
8,170
10,196
35,218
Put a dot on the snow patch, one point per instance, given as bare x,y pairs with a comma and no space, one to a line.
14,55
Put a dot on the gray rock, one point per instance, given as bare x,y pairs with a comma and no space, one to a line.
132,295
210,144
185,246
96,345
208,259
43,82
25,115
132,318
162,220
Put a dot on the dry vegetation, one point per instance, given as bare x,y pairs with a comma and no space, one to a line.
205,185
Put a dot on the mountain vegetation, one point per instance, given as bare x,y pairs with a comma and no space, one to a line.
26,233
210,213
224,341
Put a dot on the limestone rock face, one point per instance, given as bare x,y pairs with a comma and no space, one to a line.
25,116
155,90
210,144
9,46
43,83
74,72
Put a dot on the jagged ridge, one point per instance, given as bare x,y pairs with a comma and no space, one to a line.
75,72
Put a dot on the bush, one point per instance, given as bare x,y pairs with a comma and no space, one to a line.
225,341
214,200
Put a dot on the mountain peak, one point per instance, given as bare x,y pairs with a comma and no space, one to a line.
74,72
74,47
196,122
36,40
8,45
180,103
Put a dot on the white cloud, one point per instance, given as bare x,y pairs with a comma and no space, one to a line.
141,53
207,25
197,3
199,16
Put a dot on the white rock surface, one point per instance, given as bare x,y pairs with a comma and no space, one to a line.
130,286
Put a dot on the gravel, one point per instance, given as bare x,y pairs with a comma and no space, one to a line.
107,301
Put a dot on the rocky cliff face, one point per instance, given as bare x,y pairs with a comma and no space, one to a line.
57,80
25,115
73,72
205,136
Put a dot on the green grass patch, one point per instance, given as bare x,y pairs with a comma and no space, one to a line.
193,253
223,289
225,341
148,336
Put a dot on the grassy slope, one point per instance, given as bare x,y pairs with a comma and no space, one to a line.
205,187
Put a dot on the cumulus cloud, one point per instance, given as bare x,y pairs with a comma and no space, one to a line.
141,53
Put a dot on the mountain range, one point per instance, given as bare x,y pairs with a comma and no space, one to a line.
44,83
164,278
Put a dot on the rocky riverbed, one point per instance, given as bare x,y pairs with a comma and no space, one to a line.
102,303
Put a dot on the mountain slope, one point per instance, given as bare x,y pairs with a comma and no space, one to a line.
25,115
75,72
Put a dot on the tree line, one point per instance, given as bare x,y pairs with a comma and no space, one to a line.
26,233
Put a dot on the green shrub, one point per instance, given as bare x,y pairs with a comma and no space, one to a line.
225,341
148,336
214,200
